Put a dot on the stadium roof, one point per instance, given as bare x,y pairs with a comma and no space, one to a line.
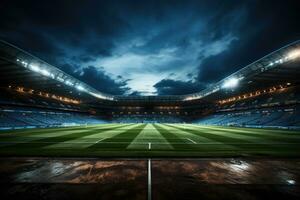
23,69
280,66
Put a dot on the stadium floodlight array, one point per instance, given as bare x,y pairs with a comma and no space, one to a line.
70,81
292,55
36,68
287,53
37,65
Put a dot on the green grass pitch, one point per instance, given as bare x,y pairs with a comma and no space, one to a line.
150,140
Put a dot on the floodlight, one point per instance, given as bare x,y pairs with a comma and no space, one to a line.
45,72
291,182
35,68
60,79
69,83
100,96
79,87
231,83
294,54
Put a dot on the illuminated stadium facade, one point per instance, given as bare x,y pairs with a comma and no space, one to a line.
29,76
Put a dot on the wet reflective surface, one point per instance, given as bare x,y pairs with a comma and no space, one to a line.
73,179
226,179
33,178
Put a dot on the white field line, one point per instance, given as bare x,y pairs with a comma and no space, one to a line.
149,145
191,140
148,134
241,130
149,180
90,139
233,135
100,140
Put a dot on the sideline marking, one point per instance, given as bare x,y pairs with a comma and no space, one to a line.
149,145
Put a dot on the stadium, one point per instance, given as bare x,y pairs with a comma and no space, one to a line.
142,100
46,112
254,112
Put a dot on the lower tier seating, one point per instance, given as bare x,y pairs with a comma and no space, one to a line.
268,117
22,118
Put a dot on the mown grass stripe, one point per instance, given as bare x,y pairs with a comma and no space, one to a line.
257,130
32,138
86,141
201,142
120,141
27,132
51,129
270,137
44,132
50,135
260,147
237,143
184,134
174,140
62,138
250,138
149,133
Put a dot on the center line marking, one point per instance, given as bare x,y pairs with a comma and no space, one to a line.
191,140
149,180
149,145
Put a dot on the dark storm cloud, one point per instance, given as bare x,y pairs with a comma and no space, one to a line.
269,26
99,79
69,24
173,87
132,47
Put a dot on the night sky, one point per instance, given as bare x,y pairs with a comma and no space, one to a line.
149,47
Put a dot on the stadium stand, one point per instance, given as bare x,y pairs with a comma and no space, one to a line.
280,118
265,93
147,119
26,110
278,109
31,118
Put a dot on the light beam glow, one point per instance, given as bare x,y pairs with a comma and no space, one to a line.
231,83
294,54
